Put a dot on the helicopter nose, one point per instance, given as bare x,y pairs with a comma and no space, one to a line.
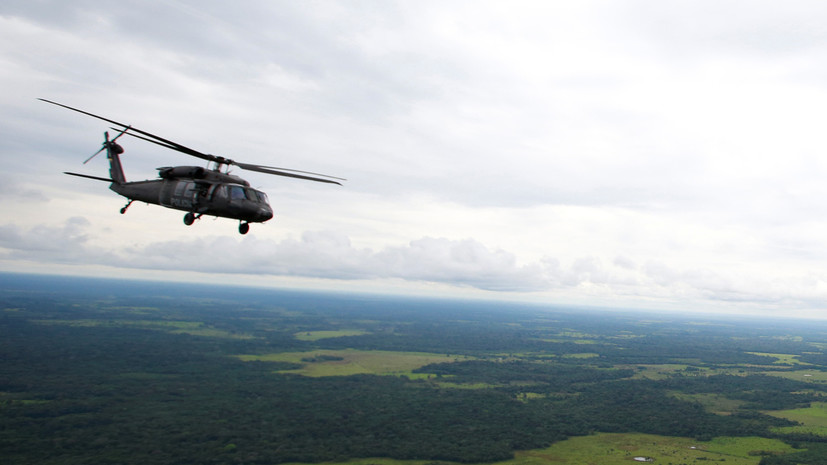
265,213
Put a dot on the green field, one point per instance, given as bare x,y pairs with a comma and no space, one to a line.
782,359
813,419
353,362
810,376
194,328
621,449
317,335
714,403
660,371
582,355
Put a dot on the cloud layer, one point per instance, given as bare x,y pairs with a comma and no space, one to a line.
465,263
587,152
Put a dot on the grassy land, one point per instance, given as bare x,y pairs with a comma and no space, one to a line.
195,328
621,449
713,403
813,419
375,362
316,335
811,376
657,371
782,359
582,355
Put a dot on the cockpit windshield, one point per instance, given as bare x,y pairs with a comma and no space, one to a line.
242,193
262,197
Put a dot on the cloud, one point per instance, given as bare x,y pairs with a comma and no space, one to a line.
329,255
456,263
66,243
617,149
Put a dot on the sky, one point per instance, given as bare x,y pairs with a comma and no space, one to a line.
626,154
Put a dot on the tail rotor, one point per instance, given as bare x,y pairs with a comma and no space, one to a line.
109,145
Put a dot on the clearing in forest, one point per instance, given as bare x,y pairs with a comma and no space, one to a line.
352,362
622,449
813,419
316,335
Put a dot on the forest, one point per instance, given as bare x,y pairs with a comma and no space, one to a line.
107,371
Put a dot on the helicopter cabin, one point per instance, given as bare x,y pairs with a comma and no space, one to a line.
203,198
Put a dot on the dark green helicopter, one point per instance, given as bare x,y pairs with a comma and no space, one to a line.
196,190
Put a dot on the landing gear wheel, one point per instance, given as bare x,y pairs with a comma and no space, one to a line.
243,228
123,210
189,219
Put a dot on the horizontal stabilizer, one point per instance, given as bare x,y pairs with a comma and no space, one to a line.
96,178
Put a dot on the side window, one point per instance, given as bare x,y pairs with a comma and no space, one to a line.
185,189
192,190
220,192
180,187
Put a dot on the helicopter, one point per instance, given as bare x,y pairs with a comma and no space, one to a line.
199,191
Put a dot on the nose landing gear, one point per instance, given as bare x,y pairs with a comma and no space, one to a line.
190,218
243,228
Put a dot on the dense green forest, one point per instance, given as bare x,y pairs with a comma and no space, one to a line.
99,371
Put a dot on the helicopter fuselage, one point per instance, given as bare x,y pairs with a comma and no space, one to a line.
200,197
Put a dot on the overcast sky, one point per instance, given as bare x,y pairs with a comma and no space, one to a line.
637,154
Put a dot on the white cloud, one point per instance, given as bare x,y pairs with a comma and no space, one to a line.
640,150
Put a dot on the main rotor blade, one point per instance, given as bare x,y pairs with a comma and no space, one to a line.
149,137
264,169
275,168
162,144
169,144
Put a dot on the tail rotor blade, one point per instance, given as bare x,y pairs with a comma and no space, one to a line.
95,154
105,144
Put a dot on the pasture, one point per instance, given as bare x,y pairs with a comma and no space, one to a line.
713,403
782,359
193,328
813,419
317,335
352,362
622,448
810,376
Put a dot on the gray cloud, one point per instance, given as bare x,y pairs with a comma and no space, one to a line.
653,150
66,243
465,263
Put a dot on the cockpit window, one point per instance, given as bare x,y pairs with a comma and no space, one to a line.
242,193
237,193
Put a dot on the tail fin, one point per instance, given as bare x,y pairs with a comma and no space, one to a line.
113,150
